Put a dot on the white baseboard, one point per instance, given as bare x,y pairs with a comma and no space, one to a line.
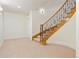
17,38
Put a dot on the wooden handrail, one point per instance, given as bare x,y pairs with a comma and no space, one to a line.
52,25
56,12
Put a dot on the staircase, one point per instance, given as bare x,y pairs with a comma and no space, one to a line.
55,22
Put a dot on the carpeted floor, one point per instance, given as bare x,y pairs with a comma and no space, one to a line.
23,48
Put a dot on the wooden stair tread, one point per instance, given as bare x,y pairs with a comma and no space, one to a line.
49,32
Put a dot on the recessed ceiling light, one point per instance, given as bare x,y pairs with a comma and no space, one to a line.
18,6
1,9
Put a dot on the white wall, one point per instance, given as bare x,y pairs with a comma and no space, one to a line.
77,29
66,35
1,28
16,25
38,18
29,25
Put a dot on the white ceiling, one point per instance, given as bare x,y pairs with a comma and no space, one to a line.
26,5
11,5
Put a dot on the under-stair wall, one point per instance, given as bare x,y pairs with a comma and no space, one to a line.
66,35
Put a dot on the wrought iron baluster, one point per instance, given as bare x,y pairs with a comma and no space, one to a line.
58,16
41,31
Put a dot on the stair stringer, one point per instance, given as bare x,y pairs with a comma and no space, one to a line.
69,15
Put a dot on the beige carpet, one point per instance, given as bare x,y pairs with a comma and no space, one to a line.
27,48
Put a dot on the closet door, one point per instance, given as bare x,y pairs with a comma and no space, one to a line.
1,28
